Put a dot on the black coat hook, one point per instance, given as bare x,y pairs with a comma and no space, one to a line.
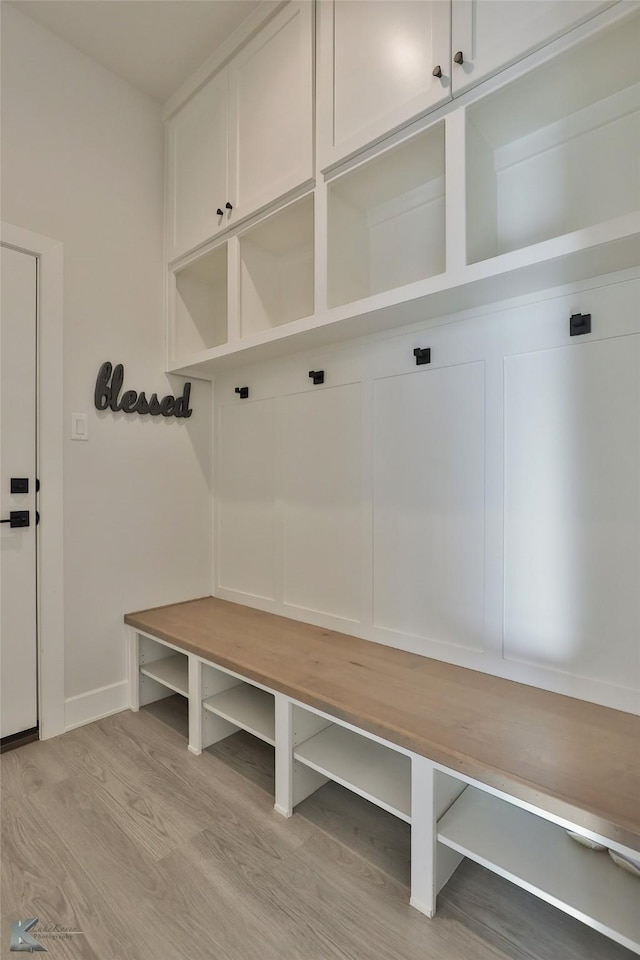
422,355
317,376
243,391
579,323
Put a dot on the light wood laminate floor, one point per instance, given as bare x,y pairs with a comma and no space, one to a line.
114,830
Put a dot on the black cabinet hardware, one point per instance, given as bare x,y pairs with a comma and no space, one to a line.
243,391
17,518
317,376
422,355
19,485
579,323
220,212
228,205
458,58
437,71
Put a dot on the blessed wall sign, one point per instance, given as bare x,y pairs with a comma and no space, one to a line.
107,396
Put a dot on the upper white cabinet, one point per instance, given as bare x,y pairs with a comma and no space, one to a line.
197,168
376,63
512,187
246,137
488,35
271,101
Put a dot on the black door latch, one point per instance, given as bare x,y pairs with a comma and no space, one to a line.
17,518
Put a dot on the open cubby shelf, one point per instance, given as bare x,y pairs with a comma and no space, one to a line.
276,269
200,304
566,162
373,771
539,856
247,707
386,220
171,672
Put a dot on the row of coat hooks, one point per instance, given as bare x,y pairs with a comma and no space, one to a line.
579,323
421,354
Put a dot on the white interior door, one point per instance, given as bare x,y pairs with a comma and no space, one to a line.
18,641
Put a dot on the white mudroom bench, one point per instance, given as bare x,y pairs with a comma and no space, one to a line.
481,767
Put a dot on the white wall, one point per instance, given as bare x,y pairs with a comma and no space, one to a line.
82,162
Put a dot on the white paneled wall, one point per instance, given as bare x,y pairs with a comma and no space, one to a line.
428,516
247,490
321,492
572,484
483,508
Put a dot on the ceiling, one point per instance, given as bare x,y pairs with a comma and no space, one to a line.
154,44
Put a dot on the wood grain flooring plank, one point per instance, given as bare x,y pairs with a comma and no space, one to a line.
27,768
523,925
288,934
236,881
41,878
365,829
364,911
200,786
140,801
253,759
139,890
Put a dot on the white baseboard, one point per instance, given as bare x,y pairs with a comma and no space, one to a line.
96,704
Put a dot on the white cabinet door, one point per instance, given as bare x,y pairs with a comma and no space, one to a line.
375,69
197,168
271,111
491,34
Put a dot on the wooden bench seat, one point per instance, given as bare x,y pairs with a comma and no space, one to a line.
573,759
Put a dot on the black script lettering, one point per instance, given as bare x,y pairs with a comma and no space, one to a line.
181,408
154,405
167,406
142,406
128,402
116,386
102,394
107,391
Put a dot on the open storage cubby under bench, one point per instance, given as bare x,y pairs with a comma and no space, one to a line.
479,766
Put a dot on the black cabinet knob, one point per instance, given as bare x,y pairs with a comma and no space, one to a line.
228,206
243,391
437,71
220,212
458,58
317,376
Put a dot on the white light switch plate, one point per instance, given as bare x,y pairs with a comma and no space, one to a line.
79,426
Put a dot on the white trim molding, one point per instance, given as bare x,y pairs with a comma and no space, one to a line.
96,704
49,254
